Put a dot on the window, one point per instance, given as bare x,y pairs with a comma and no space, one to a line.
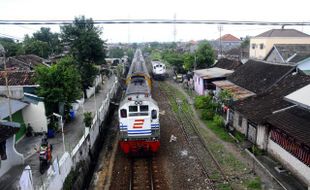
160,66
154,114
133,108
144,108
240,121
253,46
261,46
123,113
154,67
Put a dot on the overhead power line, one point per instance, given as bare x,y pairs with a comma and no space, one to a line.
154,21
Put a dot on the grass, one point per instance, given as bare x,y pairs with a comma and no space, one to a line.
219,131
254,183
239,136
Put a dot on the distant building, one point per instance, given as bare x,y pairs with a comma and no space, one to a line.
227,42
261,44
293,54
203,79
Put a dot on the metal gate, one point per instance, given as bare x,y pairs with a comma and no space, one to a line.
251,134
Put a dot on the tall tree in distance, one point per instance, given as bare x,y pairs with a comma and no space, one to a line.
52,40
86,47
205,55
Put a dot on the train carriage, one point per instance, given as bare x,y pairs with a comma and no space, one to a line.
158,70
138,112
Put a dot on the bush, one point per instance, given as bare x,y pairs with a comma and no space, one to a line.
218,121
203,102
207,114
88,118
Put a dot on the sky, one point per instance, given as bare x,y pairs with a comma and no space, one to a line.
247,10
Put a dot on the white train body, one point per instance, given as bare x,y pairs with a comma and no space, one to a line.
158,70
138,112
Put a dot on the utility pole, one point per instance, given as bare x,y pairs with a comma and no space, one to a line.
220,28
174,27
2,51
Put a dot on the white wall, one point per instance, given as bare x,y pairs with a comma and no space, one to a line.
13,157
261,136
304,65
243,128
16,91
291,163
35,115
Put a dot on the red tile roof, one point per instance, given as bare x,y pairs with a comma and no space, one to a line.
18,78
229,38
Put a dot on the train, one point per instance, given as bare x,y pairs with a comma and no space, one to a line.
158,70
138,112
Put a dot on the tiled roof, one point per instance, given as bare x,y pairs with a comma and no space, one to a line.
213,72
24,62
8,129
258,76
229,64
229,38
283,33
18,78
294,122
259,107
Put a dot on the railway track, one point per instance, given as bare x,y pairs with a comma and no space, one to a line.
212,169
141,176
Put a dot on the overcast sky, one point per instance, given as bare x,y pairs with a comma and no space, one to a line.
259,10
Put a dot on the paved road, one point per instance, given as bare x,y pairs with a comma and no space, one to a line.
73,132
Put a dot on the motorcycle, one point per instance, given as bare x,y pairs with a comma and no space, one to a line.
45,156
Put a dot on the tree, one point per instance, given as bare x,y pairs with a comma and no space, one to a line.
37,47
60,83
52,39
116,52
174,59
86,47
11,47
189,61
205,55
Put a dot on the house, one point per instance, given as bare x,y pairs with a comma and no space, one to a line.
261,44
289,134
248,115
9,157
24,62
22,88
294,54
203,79
227,42
229,64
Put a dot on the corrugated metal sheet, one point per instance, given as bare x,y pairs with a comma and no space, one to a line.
15,106
214,72
300,97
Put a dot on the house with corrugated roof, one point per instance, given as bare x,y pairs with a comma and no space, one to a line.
203,79
228,42
24,63
250,79
261,44
289,140
294,54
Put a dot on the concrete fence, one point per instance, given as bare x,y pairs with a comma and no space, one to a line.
60,169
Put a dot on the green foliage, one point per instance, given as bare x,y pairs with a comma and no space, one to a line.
189,61
37,47
85,46
11,47
254,183
116,52
59,83
174,59
203,102
239,136
52,40
219,131
207,114
205,55
225,97
156,55
246,42
256,151
218,121
88,118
